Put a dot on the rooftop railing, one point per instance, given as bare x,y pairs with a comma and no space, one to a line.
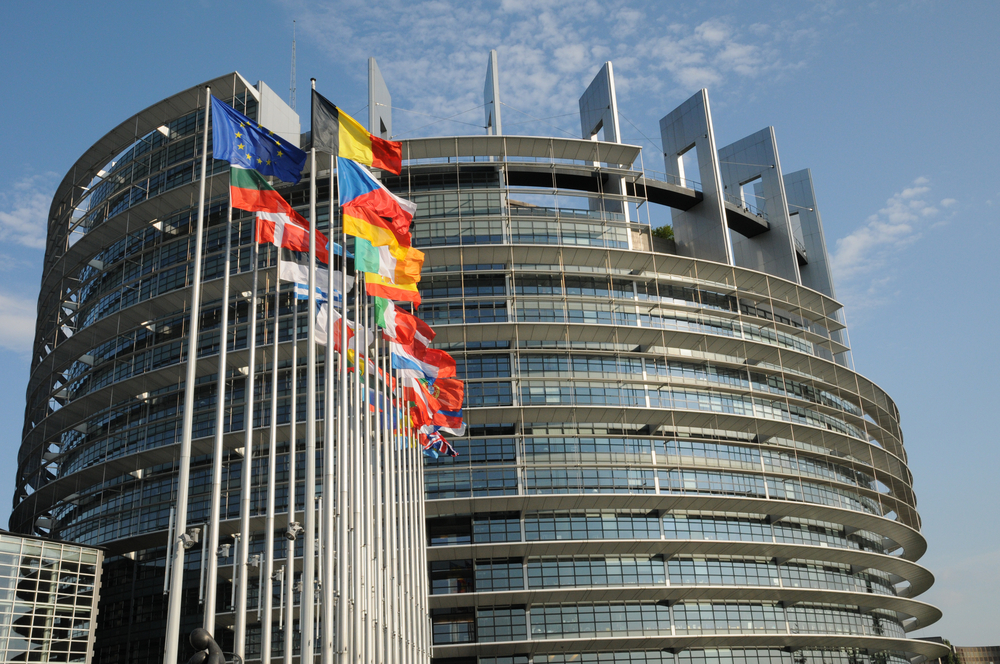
669,178
749,208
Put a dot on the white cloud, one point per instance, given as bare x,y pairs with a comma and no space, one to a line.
17,323
435,59
24,209
868,250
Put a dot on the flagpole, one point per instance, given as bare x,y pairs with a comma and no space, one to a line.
309,516
272,457
172,637
291,535
422,558
401,564
212,578
343,514
408,598
370,475
358,553
392,628
390,518
240,629
407,547
417,589
378,539
366,467
329,443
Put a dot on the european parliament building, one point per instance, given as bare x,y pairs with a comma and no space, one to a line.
669,460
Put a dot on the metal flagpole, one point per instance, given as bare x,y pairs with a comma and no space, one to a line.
329,444
411,633
361,315
407,524
417,586
343,625
422,558
397,520
378,540
389,511
412,451
318,506
407,572
290,534
172,638
356,551
371,523
240,628
212,580
272,458
309,516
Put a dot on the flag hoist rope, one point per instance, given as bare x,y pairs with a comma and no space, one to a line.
172,636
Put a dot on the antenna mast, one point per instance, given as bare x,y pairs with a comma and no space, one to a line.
291,86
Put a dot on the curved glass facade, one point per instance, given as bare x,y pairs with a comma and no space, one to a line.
667,460
665,456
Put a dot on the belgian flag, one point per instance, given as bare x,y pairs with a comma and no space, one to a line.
337,133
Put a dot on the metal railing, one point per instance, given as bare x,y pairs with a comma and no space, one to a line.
661,176
749,208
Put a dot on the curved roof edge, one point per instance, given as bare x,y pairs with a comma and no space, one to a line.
543,147
140,124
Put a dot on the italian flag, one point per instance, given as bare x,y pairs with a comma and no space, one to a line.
401,326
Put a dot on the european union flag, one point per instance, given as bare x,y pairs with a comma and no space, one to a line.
242,142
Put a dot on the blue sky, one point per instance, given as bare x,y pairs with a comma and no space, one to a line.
893,105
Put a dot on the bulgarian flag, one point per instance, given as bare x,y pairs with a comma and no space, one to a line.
401,326
277,222
400,265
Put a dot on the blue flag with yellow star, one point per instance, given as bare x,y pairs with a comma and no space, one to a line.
242,142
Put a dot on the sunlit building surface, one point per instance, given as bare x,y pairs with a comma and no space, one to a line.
48,599
670,458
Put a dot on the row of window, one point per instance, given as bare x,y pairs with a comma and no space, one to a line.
568,228
466,576
597,525
460,483
151,154
706,656
649,619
